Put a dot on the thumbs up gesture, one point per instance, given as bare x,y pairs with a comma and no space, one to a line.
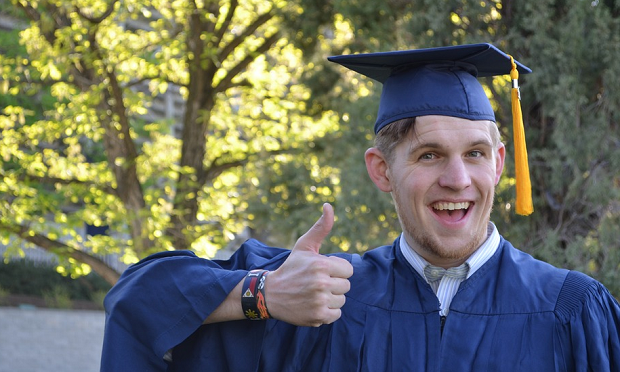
308,289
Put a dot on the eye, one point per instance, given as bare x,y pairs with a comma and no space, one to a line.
475,154
428,156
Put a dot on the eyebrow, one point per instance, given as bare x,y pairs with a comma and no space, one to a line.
483,142
435,145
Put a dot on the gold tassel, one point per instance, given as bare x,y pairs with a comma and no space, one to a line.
524,205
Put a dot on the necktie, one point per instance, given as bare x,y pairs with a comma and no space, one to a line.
435,273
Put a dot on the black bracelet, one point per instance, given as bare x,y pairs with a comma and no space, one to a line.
253,296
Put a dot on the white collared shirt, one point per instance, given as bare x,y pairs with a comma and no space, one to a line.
446,288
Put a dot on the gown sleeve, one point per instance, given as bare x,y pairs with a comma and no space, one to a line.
589,326
162,300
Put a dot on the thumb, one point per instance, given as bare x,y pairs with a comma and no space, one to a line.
311,241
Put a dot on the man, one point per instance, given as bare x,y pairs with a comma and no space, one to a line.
450,294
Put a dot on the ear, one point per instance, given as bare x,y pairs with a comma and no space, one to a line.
378,169
500,156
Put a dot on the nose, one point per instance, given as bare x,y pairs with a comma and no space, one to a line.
455,175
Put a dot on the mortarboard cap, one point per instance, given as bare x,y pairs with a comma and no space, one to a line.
443,81
432,81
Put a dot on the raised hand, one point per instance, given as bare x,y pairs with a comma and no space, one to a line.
308,289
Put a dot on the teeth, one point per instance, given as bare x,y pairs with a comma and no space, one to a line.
451,206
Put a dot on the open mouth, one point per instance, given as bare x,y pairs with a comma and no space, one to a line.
451,212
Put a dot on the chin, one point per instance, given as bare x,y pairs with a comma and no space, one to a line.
447,248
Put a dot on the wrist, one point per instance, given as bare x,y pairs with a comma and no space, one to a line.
253,301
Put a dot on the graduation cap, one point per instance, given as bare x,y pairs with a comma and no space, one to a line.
443,81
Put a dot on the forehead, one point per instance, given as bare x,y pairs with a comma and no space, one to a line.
451,130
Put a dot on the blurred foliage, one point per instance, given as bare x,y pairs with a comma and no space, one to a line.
58,298
573,114
80,80
22,277
269,130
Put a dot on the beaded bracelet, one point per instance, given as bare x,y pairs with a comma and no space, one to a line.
253,296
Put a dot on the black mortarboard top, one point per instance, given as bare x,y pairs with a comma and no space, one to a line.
443,81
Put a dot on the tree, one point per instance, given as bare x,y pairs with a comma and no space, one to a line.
88,153
573,109
270,130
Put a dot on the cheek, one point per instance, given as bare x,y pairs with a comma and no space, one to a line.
414,183
487,175
412,190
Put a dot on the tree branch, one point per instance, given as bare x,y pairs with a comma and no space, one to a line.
228,49
55,246
216,168
226,82
30,11
118,144
219,33
101,18
149,78
213,8
63,181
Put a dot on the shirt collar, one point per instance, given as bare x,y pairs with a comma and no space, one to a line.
475,261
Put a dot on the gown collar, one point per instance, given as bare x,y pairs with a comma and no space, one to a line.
475,261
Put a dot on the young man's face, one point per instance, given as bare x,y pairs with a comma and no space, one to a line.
442,180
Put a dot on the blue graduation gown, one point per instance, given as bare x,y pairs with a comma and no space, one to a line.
514,314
